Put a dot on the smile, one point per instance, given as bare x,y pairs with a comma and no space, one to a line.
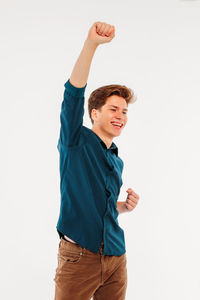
117,125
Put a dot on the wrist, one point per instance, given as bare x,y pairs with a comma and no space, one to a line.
91,44
121,206
124,208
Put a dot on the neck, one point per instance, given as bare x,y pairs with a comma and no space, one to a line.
105,138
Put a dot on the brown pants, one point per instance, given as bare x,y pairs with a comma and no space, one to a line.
82,274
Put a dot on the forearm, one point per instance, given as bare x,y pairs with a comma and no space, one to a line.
121,207
81,68
99,33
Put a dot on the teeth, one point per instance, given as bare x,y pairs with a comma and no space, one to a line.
117,124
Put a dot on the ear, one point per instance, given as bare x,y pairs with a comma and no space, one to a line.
94,114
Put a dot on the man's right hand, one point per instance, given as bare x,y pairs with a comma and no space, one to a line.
101,33
98,34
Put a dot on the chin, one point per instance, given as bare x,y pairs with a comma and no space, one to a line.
116,135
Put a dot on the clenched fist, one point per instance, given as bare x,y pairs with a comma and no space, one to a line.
131,200
101,33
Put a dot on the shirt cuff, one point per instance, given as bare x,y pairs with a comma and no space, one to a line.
75,91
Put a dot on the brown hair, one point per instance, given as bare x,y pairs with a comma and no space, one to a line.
99,96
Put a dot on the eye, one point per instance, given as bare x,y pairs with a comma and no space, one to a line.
125,112
113,109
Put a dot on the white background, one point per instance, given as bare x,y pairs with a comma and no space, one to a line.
156,53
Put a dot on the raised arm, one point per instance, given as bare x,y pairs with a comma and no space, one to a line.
98,34
72,109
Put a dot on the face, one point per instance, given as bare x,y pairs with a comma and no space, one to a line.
112,117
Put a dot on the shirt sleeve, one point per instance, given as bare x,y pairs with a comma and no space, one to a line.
71,116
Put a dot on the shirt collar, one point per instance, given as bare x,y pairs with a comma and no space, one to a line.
113,146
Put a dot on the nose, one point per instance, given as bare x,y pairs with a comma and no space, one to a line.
119,115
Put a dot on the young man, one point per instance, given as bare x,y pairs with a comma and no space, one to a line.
91,253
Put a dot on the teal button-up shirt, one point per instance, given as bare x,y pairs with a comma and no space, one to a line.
90,181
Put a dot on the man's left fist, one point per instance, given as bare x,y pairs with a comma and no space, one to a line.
131,200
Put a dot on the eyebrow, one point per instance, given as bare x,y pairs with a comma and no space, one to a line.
118,107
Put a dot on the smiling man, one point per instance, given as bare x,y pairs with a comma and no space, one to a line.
111,118
91,253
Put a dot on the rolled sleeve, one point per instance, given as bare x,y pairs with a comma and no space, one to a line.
71,116
74,91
